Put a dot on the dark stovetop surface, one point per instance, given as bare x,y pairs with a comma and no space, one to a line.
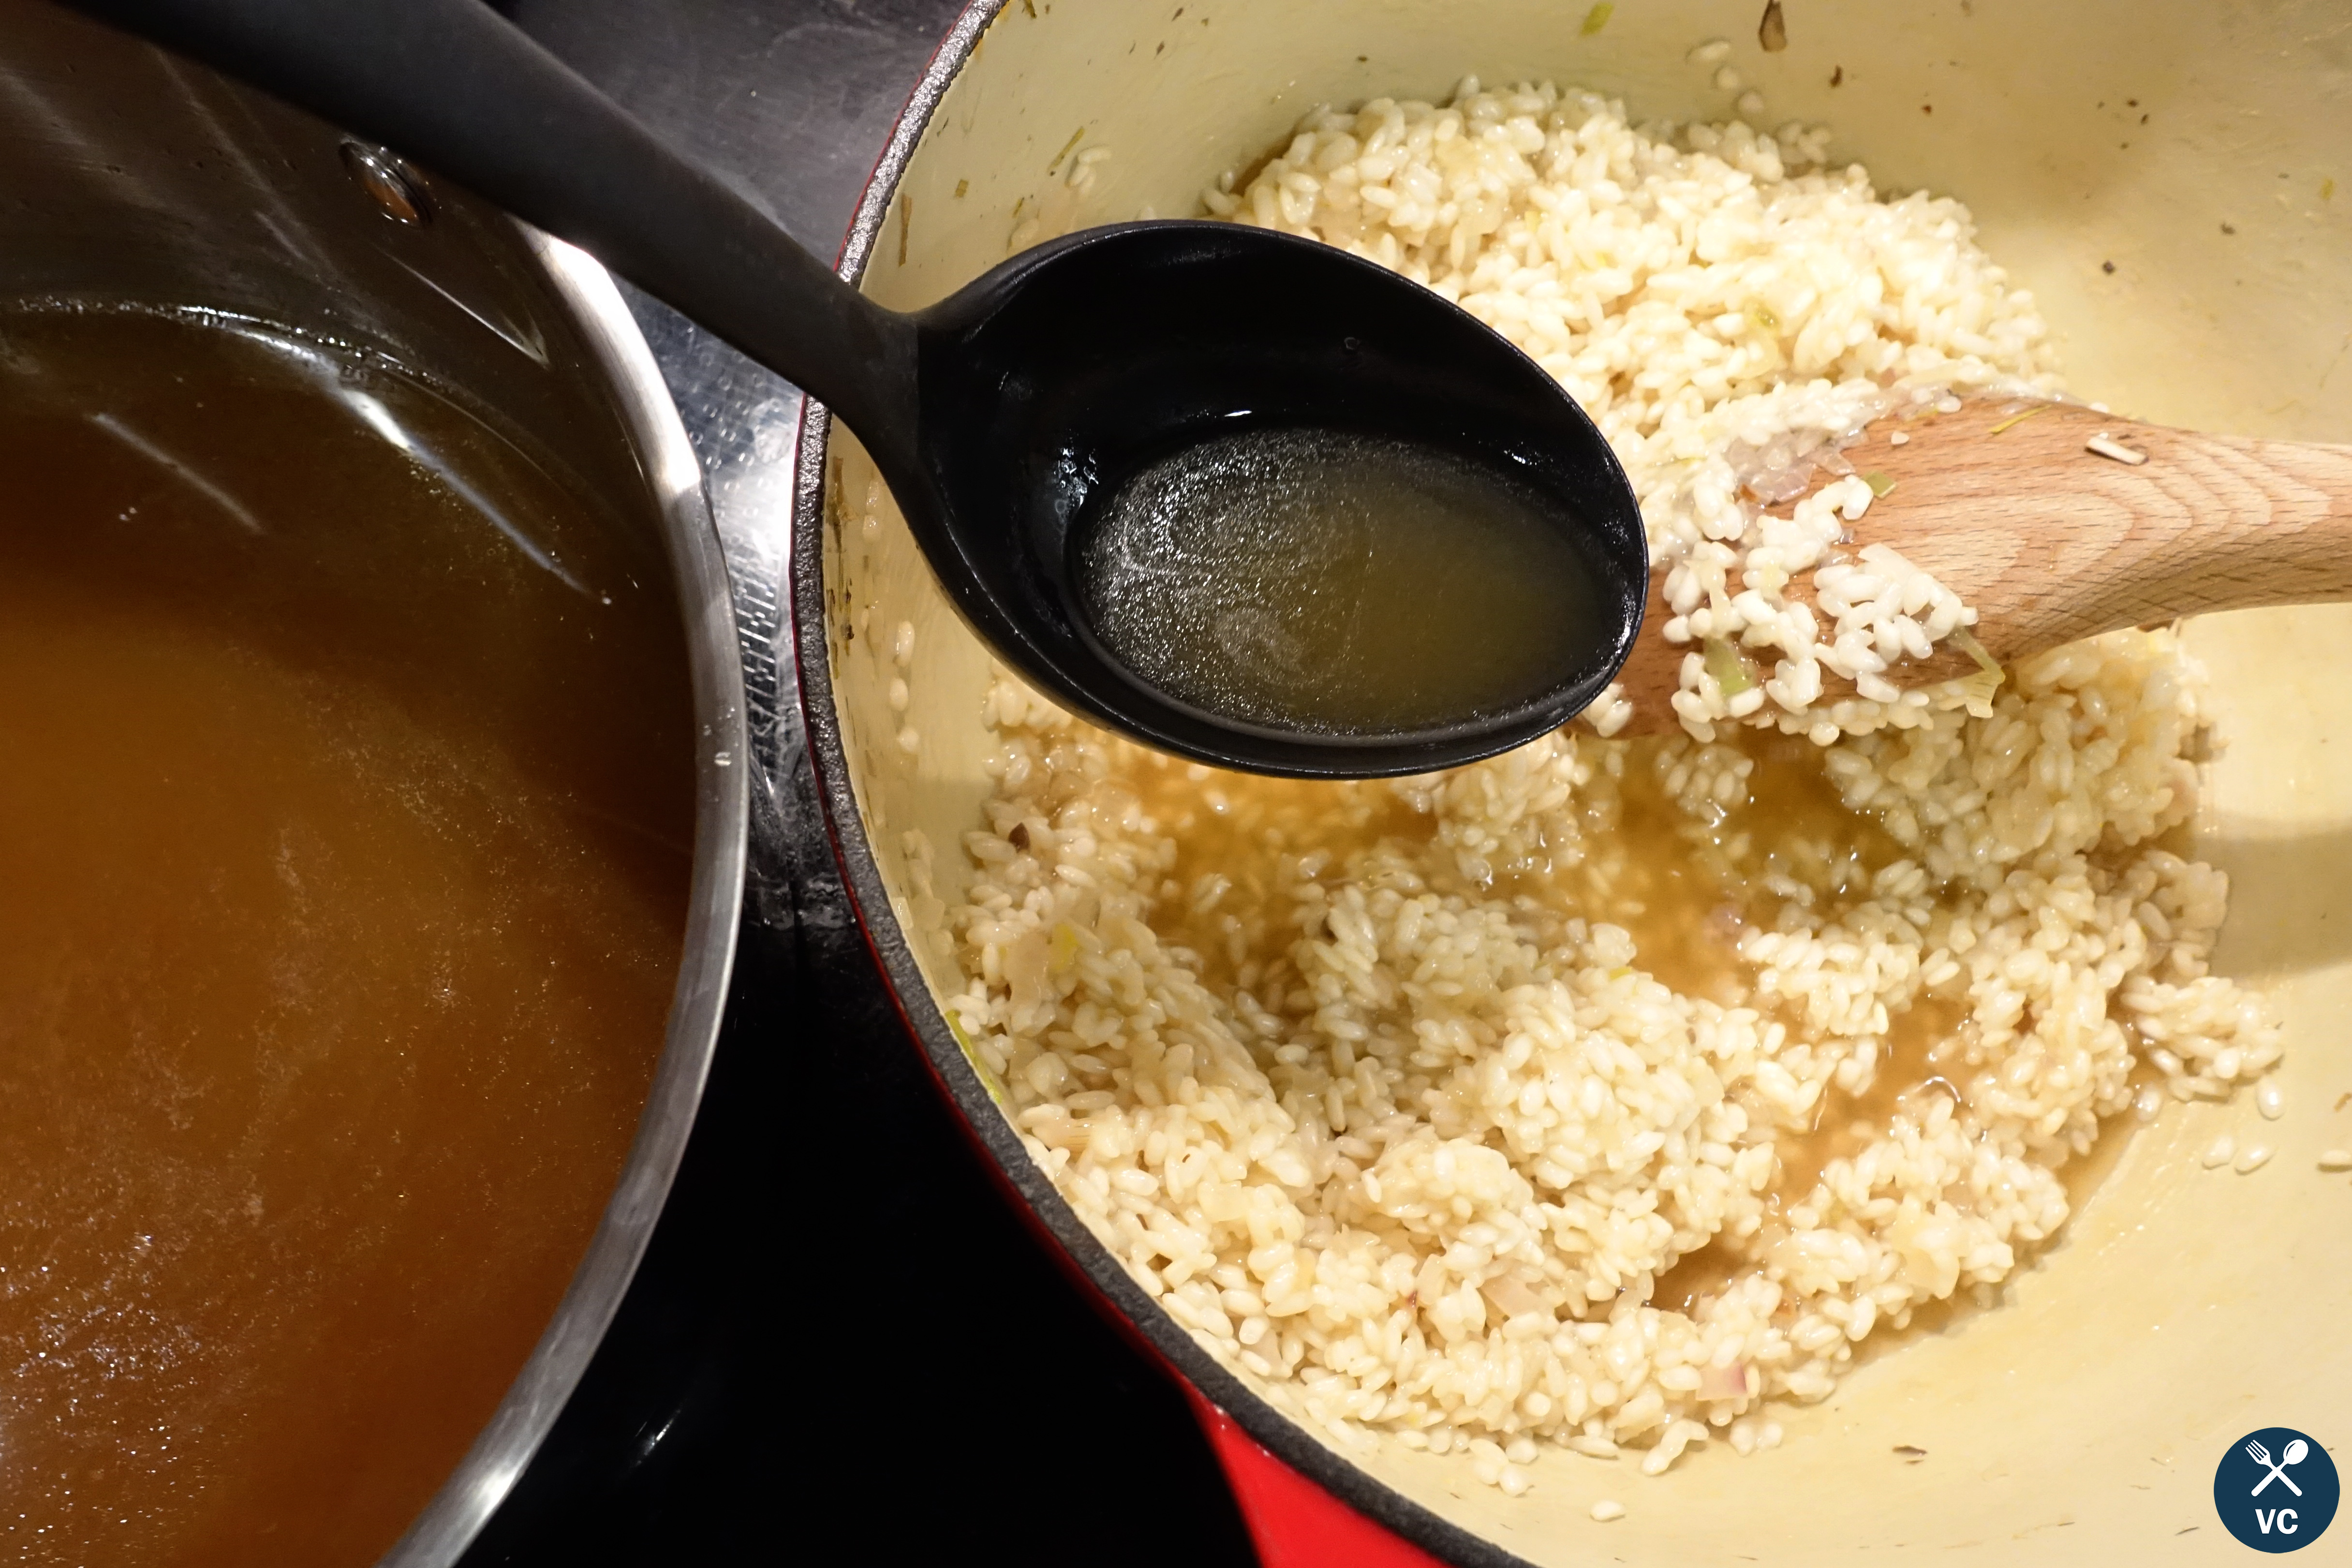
842,1343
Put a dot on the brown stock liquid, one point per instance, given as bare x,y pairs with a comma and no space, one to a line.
345,814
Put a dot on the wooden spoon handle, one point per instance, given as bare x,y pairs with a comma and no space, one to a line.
2052,542
2008,505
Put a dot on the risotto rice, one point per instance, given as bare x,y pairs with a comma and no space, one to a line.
1610,1093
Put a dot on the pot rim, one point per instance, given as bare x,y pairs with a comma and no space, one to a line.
448,1524
952,1072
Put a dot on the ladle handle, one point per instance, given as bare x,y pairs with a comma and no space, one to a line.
457,88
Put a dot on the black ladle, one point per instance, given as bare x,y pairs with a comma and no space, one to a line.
1003,417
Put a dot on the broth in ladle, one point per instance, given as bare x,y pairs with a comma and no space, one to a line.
1327,583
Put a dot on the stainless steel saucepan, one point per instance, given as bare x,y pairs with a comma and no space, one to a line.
126,175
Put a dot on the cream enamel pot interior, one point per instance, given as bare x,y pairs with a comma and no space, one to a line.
2196,148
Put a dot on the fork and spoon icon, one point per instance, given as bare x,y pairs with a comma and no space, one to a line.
2296,1453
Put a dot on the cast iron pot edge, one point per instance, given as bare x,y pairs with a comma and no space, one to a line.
1032,1194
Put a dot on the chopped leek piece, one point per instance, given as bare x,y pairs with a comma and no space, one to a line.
987,1078
1966,641
1731,670
1598,17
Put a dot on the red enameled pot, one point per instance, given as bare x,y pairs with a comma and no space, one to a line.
2167,187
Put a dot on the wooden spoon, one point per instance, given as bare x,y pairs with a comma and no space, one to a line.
2050,541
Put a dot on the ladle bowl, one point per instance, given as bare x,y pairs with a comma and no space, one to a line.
1075,364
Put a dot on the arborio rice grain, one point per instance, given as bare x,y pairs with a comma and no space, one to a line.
1606,1093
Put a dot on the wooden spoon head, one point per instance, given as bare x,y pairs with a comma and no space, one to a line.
2035,514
